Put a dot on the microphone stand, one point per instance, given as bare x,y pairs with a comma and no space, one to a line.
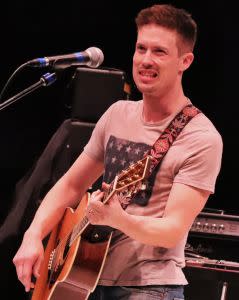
46,80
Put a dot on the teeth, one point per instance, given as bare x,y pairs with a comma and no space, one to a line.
148,74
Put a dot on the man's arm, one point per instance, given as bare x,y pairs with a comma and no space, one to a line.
67,192
184,204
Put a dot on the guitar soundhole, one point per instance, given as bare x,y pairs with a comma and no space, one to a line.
97,233
66,249
52,277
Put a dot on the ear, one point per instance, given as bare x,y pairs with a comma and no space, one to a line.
185,61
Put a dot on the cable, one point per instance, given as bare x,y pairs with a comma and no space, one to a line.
10,79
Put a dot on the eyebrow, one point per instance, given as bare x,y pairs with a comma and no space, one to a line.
153,47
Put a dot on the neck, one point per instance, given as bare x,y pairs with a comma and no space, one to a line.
158,108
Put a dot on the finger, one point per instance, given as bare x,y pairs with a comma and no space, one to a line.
32,285
105,186
19,271
96,197
89,212
94,219
37,267
96,192
94,208
26,275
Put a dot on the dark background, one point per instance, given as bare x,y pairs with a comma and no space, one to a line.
31,30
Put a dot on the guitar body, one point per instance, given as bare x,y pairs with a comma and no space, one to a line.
75,267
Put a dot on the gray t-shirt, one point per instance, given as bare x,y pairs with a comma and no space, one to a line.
120,138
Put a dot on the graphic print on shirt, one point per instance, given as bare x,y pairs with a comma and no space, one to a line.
119,155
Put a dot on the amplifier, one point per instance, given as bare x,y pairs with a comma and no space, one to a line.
211,256
214,235
218,224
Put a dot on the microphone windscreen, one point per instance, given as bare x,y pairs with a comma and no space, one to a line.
96,57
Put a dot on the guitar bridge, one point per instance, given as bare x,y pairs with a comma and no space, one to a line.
51,259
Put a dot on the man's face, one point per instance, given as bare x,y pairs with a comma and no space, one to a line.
156,62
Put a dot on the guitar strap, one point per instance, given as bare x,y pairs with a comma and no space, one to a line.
166,139
169,135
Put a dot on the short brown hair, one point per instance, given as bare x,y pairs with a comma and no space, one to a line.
173,18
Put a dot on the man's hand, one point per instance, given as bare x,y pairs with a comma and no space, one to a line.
28,259
110,213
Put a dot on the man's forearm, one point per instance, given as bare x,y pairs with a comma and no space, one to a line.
53,207
152,231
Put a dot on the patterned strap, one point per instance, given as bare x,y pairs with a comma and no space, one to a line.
166,139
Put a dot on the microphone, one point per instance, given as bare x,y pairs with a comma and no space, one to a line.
91,57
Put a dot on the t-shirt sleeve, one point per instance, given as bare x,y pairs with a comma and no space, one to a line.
203,164
95,146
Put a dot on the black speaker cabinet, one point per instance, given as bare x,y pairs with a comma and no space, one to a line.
212,267
94,90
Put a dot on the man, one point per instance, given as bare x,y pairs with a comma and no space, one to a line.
146,256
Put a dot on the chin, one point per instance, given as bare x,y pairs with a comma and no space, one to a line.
145,89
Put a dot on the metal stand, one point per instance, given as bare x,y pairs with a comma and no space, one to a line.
224,290
46,80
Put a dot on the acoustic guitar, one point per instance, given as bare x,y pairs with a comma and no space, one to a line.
76,251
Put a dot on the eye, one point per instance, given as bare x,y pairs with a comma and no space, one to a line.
159,51
140,48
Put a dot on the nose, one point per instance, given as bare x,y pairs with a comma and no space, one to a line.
147,58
